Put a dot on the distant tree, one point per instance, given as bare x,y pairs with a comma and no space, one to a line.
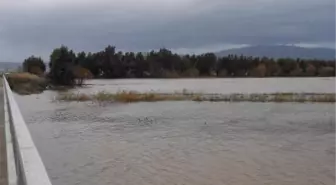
62,62
34,65
287,65
297,72
192,72
310,70
81,74
273,69
259,71
66,66
222,73
326,71
206,63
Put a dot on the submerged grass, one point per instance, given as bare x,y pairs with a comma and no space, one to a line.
123,96
73,97
133,96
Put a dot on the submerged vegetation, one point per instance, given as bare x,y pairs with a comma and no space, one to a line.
123,96
132,96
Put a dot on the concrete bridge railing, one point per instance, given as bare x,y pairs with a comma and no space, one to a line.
24,164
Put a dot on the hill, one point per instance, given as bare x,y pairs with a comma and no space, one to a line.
282,52
4,66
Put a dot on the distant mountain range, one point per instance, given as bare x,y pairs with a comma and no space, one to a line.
4,66
282,52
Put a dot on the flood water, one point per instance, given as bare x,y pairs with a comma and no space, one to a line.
188,143
216,85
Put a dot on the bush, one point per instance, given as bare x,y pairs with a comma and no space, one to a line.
26,83
222,73
192,72
326,71
310,70
170,74
259,71
296,72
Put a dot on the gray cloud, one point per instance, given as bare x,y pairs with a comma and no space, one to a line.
38,26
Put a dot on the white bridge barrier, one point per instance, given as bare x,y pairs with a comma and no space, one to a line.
24,164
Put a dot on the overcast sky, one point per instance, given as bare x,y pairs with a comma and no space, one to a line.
37,26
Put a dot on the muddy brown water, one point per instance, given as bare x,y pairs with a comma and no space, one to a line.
216,85
186,143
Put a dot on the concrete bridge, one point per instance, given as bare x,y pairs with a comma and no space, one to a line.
20,162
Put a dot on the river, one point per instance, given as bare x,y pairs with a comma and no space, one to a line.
188,143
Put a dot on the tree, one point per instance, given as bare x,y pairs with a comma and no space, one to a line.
326,71
34,65
259,71
163,63
206,63
286,65
80,74
310,70
62,62
222,73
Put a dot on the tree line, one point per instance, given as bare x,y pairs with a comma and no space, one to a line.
68,68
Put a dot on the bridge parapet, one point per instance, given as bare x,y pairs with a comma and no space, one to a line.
24,164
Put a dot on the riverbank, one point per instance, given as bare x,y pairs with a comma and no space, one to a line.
26,83
133,96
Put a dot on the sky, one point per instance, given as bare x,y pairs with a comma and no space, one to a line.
36,27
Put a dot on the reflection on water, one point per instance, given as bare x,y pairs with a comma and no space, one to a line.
183,142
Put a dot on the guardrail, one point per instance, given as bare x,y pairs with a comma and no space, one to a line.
24,164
